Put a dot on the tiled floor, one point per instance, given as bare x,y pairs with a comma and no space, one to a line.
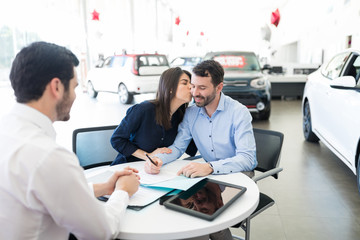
316,194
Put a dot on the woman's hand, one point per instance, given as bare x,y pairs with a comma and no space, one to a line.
152,168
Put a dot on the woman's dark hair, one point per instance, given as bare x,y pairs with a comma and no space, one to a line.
168,85
36,65
212,67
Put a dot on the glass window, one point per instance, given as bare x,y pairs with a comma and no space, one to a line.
335,66
152,60
107,62
178,62
192,61
357,65
118,62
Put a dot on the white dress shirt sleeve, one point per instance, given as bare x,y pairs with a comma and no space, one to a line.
60,185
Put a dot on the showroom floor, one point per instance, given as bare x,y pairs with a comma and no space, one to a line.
316,194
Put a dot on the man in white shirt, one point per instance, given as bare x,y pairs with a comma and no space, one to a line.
43,191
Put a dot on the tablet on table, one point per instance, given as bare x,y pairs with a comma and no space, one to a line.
206,199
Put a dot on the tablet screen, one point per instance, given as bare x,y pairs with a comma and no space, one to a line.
208,197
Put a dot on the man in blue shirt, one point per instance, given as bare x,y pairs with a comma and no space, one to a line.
220,126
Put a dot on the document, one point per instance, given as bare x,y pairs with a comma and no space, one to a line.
146,178
104,174
162,180
152,186
144,196
179,182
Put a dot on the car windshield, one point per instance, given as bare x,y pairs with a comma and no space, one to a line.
238,61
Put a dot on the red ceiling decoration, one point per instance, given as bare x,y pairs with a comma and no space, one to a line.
177,20
95,15
275,17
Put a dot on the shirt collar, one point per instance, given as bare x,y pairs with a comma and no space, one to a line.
35,117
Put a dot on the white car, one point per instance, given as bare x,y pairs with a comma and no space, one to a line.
127,75
331,108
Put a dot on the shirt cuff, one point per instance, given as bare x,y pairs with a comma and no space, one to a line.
120,195
91,187
216,167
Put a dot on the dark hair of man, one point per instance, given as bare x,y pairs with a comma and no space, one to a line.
212,67
36,65
168,85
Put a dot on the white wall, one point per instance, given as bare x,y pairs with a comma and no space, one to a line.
320,29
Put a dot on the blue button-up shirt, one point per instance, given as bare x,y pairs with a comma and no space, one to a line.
225,139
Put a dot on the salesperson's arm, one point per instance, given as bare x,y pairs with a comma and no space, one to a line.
67,198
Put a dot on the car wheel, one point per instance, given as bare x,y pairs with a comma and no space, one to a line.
91,91
124,96
307,127
358,173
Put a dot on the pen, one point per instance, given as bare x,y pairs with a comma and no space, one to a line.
151,160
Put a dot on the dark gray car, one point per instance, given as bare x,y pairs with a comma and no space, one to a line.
244,81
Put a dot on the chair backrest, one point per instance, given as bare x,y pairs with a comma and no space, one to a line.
268,149
92,146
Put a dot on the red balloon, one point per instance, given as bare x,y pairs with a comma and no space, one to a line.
275,17
177,20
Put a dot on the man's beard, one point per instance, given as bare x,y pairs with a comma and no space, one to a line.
63,108
207,99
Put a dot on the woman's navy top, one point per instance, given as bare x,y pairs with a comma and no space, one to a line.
139,130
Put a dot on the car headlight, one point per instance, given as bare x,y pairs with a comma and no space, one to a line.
259,83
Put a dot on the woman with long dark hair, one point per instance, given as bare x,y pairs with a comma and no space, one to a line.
151,126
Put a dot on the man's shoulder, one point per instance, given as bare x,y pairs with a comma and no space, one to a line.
231,104
193,108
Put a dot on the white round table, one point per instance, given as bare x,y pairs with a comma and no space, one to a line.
157,222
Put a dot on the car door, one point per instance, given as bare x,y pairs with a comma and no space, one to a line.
101,75
322,100
343,133
115,74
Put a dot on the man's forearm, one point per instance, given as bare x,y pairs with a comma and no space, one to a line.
169,157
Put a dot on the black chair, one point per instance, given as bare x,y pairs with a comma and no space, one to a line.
268,149
92,146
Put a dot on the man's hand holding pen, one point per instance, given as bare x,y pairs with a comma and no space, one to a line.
153,165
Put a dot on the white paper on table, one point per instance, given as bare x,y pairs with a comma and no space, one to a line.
100,177
179,182
145,196
147,179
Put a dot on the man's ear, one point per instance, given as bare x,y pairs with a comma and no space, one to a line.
56,88
219,87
